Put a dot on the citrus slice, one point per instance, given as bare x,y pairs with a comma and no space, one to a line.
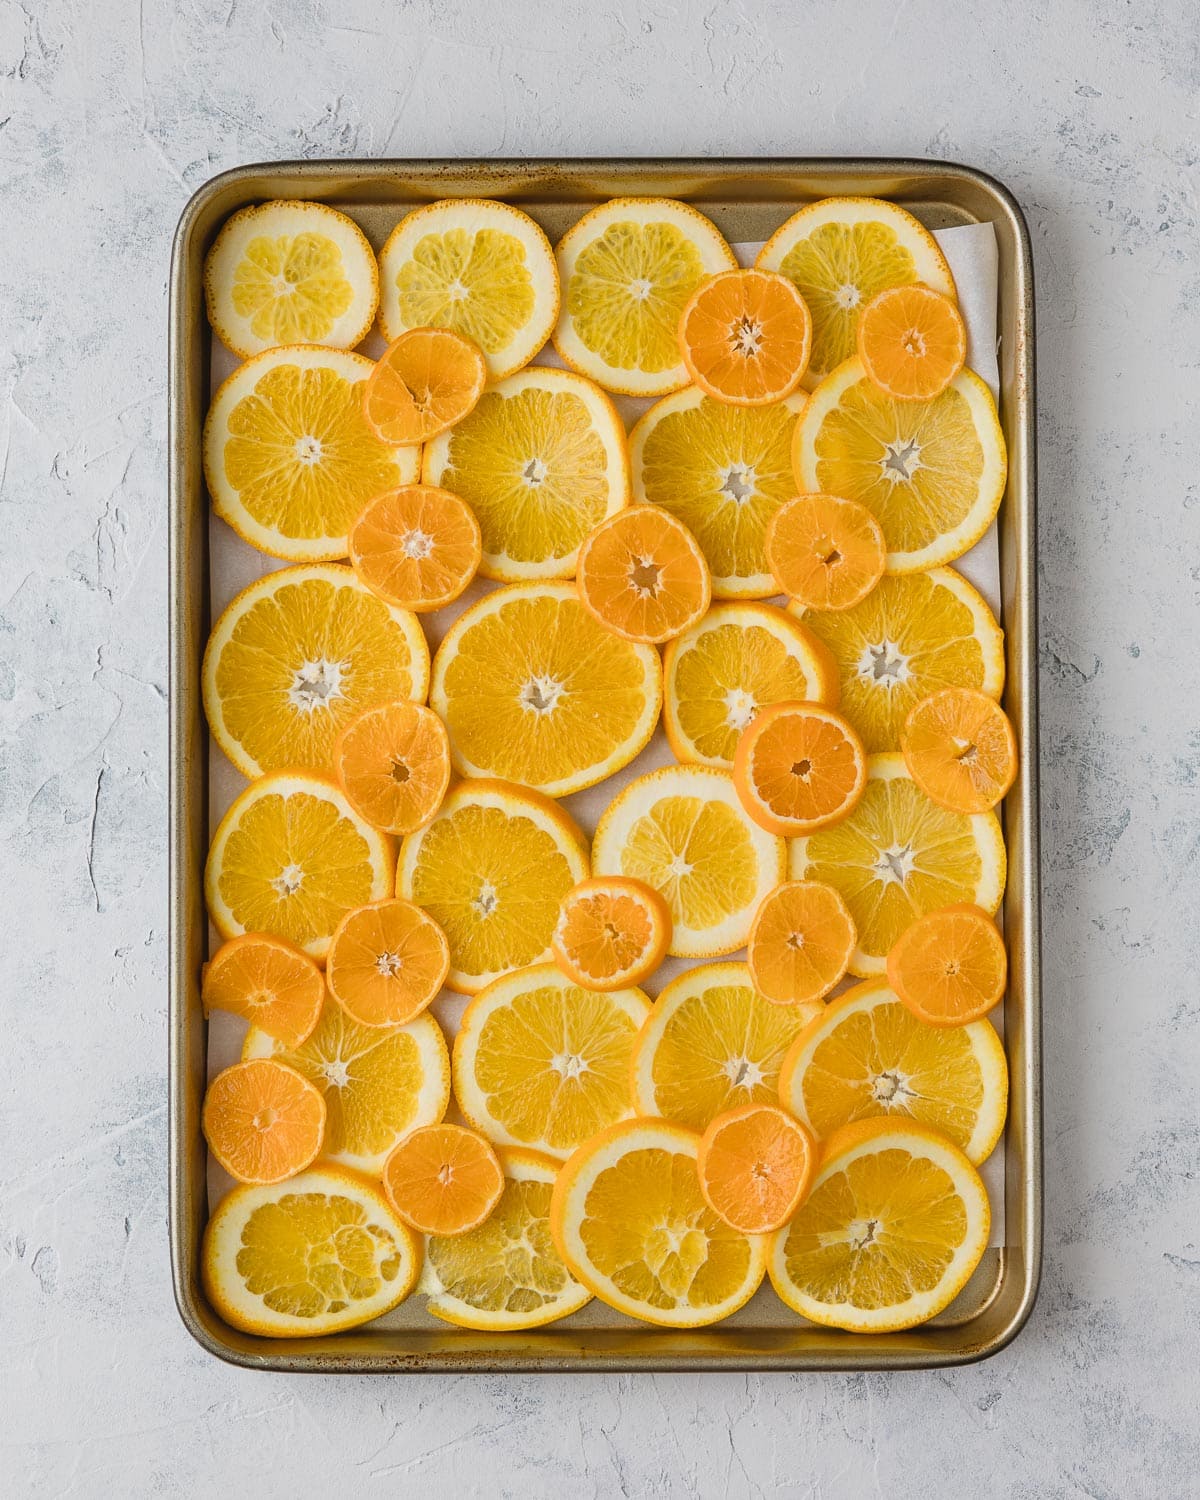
911,635
711,1044
290,273
745,337
643,575
631,1224
896,1221
424,382
737,660
898,856
288,457
867,1054
838,253
539,1061
393,763
491,869
827,553
417,547
799,767
505,1275
755,1165
541,460
628,268
950,967
611,932
723,471
912,342
387,962
801,943
443,1179
932,473
290,858
267,982
379,1082
533,689
318,1254
960,749
294,657
682,831
482,268
263,1121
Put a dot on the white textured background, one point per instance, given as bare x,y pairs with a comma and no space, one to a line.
111,113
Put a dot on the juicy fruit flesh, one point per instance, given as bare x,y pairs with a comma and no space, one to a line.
417,546
292,287
386,963
961,749
605,933
801,942
476,282
804,767
698,855
394,766
642,576
747,335
443,1179
428,379
827,553
912,342
951,965
262,1122
277,989
509,1263
753,1167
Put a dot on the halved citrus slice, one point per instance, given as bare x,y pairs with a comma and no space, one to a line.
533,689
611,932
268,982
294,657
960,749
912,342
682,831
424,382
443,1179
950,967
642,574
801,943
627,269
263,1121
417,547
387,962
288,457
737,660
755,1166
838,253
290,273
393,763
480,267
827,553
897,856
491,869
746,336
629,1220
540,1061
896,1221
317,1254
379,1082
723,471
799,767
290,858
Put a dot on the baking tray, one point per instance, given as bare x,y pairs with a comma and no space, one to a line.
747,199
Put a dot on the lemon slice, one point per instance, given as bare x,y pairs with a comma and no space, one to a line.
296,656
291,857
533,689
898,856
480,267
491,869
541,460
932,473
290,273
913,634
288,457
540,1062
316,1254
839,252
895,1223
683,831
723,471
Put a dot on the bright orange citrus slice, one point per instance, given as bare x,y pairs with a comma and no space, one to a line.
263,1121
912,342
393,763
827,553
950,967
611,932
387,962
960,749
424,382
746,336
417,547
268,982
755,1164
642,574
801,943
799,767
443,1179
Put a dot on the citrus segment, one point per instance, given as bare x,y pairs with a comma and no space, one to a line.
798,767
611,932
960,749
643,575
443,1179
950,967
912,342
746,336
268,982
393,763
263,1121
800,944
755,1164
424,382
827,553
417,547
387,962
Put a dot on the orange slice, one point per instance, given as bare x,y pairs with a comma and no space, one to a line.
912,342
746,336
642,574
417,546
799,767
443,1179
960,749
800,943
611,932
387,962
263,1121
424,382
268,982
827,553
950,967
393,763
755,1164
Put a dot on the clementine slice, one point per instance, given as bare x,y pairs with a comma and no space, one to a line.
268,982
387,962
746,337
611,932
950,966
443,1179
755,1164
425,381
960,749
263,1121
826,552
417,546
799,767
801,943
393,763
642,574
912,342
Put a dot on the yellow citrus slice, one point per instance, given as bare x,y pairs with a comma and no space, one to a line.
866,1054
738,659
723,471
506,1274
912,635
379,1082
682,831
479,267
291,857
896,1221
491,869
629,1220
539,1061
541,460
838,253
932,473
296,656
290,273
288,457
897,856
628,269
318,1254
533,689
